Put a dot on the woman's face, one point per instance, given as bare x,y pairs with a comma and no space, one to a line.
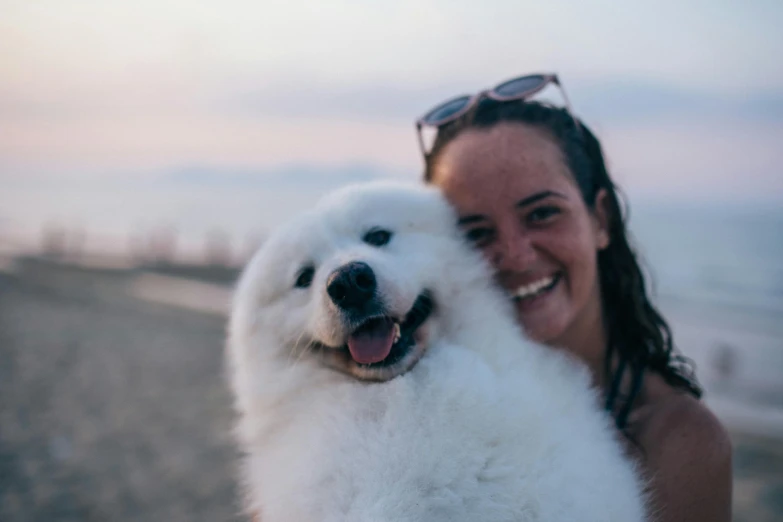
518,202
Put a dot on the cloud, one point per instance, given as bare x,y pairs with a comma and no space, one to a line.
155,94
318,176
636,102
381,102
624,101
290,175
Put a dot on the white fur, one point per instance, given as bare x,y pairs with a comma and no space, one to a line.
487,426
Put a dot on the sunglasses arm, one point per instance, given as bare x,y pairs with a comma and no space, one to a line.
421,140
556,81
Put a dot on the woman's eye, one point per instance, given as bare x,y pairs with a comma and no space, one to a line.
478,236
377,237
542,214
305,277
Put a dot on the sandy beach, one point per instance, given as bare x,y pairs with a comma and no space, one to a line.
111,408
113,404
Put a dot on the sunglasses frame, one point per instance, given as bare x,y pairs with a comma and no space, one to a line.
546,79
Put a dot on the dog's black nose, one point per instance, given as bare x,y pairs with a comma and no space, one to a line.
351,286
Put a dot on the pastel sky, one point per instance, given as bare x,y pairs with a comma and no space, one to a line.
687,95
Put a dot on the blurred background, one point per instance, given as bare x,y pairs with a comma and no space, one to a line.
147,148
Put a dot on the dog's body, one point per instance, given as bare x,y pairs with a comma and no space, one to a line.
477,423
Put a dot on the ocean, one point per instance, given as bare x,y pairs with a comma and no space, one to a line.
717,275
700,254
714,255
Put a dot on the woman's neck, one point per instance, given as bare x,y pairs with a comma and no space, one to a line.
587,338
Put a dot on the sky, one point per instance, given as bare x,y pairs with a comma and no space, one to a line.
686,95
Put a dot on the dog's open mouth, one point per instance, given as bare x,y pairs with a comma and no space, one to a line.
382,347
382,341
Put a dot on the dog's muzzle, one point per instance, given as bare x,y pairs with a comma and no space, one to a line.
379,345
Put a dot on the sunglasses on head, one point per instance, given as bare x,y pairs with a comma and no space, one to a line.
519,88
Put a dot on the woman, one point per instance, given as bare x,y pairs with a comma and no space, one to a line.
532,191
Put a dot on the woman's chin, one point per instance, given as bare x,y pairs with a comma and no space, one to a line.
544,328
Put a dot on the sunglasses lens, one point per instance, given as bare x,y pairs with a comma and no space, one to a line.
519,86
443,112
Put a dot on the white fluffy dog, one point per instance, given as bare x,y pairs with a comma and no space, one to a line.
380,375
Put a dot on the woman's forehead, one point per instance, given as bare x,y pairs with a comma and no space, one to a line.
505,161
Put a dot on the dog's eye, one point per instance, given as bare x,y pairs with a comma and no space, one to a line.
305,277
377,237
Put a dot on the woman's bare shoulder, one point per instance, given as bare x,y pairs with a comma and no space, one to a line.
671,415
688,454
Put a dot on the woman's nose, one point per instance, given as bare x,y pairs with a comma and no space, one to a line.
513,252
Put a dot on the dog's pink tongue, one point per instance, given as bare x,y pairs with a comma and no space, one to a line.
372,343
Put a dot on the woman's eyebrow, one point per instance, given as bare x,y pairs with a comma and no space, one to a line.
537,197
473,218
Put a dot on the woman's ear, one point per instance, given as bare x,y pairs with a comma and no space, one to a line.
601,219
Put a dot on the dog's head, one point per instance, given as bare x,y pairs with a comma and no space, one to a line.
357,282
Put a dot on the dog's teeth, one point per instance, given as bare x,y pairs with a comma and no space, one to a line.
397,333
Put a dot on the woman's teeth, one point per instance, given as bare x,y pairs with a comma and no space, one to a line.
532,289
